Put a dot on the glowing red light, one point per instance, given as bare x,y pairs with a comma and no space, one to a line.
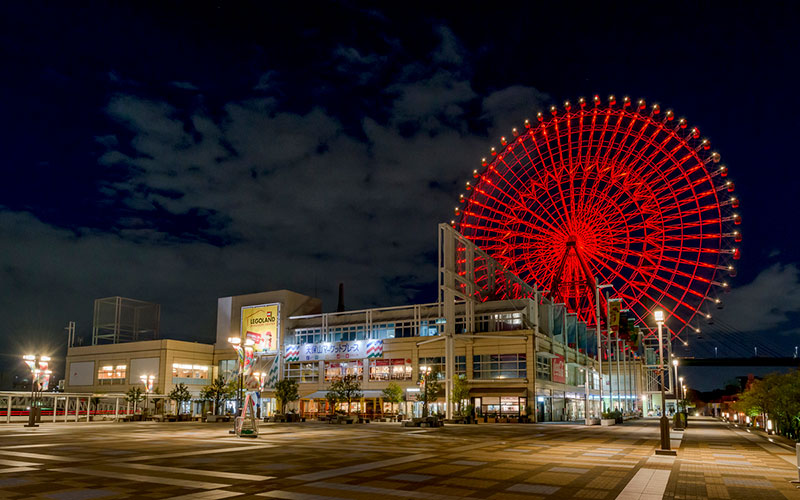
614,195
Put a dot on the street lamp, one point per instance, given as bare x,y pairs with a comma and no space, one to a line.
40,378
147,380
241,352
424,372
665,450
677,385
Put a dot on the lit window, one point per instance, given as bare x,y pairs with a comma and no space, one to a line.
112,374
182,370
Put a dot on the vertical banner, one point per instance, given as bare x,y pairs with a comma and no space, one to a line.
572,330
613,315
558,322
272,374
558,369
261,324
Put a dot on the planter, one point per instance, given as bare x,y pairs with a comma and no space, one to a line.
608,421
592,421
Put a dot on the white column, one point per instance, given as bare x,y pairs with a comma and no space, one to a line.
66,407
78,409
55,407
88,408
116,409
8,411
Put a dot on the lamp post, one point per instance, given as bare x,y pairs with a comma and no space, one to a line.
597,287
659,316
40,376
424,372
261,377
677,385
241,351
147,380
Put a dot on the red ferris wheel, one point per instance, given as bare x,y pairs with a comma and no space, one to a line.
622,193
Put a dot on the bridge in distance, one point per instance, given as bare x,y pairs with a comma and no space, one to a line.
752,361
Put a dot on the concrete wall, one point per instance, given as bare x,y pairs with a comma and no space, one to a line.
166,352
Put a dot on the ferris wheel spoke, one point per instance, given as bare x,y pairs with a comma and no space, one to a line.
507,215
643,292
520,196
645,271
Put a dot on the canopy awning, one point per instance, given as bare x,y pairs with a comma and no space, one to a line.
368,394
498,391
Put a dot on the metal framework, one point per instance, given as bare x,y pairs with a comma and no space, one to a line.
469,275
622,194
117,319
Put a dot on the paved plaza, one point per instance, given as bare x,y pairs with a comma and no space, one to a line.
309,461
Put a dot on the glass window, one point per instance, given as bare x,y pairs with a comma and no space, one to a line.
228,368
437,364
183,370
542,368
494,366
335,370
390,369
302,372
112,373
305,336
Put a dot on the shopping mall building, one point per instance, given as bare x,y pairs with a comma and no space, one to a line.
519,354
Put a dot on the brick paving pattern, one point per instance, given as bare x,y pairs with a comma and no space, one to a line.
312,461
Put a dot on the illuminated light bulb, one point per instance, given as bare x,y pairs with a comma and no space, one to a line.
514,131
724,284
697,330
527,123
539,116
553,110
452,221
483,162
503,141
567,105
716,301
596,98
708,316
494,151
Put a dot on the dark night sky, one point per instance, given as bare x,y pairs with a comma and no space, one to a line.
182,153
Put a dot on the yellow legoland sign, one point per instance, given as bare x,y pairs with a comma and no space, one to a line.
261,324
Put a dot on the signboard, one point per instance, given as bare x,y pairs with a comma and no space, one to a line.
261,324
558,371
356,349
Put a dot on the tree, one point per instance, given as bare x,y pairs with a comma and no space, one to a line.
134,395
332,399
347,389
429,389
217,392
393,394
180,394
286,392
777,398
460,393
